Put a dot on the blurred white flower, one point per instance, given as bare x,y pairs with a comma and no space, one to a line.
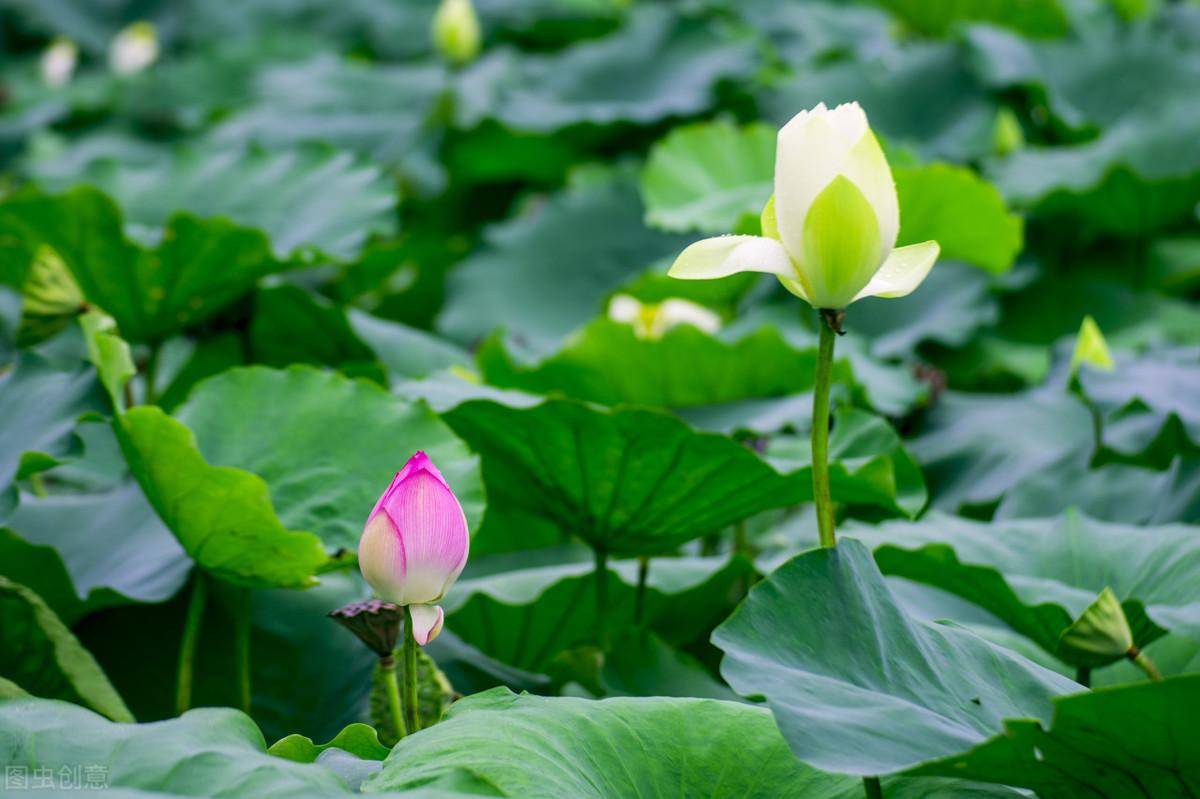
456,33
133,49
652,320
59,61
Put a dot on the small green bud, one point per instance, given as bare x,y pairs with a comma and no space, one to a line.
1091,348
1007,135
1102,633
456,33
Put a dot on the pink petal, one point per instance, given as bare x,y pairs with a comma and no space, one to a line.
382,559
427,622
431,526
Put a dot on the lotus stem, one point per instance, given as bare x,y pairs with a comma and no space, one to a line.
241,645
872,788
191,636
1143,662
1083,676
412,716
639,601
387,665
601,573
820,431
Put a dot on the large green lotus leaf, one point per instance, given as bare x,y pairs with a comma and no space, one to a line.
528,616
378,110
542,275
293,326
961,211
303,198
1140,175
658,65
924,96
217,752
953,304
552,747
1106,73
868,463
1115,492
807,33
640,663
823,633
326,445
1145,394
82,552
222,516
39,405
1031,17
707,176
1130,740
1015,570
607,362
975,447
406,352
629,481
200,266
39,654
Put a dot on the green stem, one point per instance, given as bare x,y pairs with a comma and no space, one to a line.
601,575
1083,676
820,434
241,644
191,636
1143,662
639,602
872,788
387,665
37,482
149,374
412,715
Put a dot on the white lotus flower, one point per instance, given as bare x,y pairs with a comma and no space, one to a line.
133,49
829,231
652,320
58,62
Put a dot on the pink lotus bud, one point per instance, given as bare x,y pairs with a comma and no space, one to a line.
415,544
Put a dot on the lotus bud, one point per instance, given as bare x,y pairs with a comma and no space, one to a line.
415,544
1091,348
456,31
652,320
58,62
829,231
133,49
1101,632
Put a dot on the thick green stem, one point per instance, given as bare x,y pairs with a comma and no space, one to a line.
387,664
191,636
872,788
820,434
601,575
1083,676
37,483
639,602
242,618
412,716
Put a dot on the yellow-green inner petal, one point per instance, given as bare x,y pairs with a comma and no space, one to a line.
841,244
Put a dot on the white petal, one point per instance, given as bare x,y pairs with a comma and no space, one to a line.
682,312
903,271
427,622
849,120
868,169
811,152
727,255
623,308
